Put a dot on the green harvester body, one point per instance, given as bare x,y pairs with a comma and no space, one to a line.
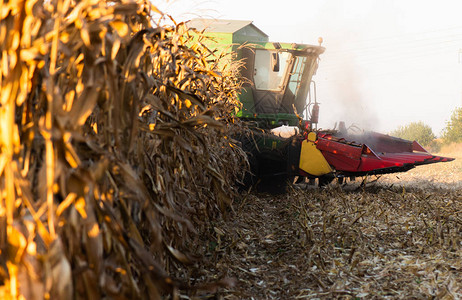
277,75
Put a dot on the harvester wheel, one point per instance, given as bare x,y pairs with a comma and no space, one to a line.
268,166
248,145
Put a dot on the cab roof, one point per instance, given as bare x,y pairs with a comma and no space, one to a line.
222,26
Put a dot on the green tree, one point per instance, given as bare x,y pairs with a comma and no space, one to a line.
452,133
415,131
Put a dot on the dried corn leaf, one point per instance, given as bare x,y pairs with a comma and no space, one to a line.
113,143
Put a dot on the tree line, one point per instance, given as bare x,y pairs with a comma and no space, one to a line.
422,133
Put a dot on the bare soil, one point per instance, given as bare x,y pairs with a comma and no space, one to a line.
399,237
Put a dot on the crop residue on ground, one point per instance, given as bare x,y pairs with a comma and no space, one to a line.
396,238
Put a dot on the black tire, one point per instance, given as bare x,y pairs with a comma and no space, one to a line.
268,168
248,145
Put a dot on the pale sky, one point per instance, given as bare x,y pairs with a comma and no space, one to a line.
387,62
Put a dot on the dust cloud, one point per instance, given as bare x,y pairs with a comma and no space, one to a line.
341,92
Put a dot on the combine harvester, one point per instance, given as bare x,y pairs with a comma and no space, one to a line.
278,84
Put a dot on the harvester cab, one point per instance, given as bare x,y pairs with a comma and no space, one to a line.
278,93
277,82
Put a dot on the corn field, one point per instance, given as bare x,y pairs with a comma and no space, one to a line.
115,150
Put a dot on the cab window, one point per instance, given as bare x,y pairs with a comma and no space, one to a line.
270,69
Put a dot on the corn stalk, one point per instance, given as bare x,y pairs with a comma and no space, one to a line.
115,149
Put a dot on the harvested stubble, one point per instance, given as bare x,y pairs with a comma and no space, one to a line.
385,240
114,149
